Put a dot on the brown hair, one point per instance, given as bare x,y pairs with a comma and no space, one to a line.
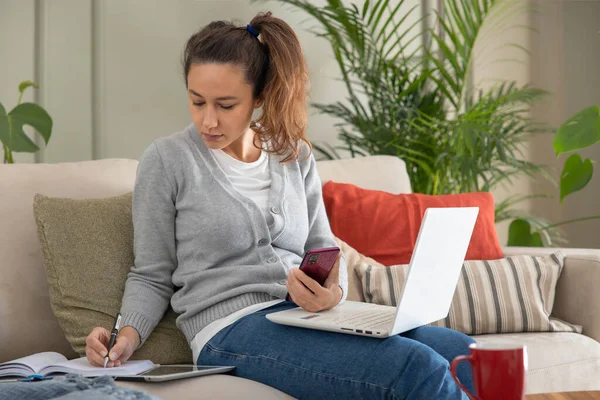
275,68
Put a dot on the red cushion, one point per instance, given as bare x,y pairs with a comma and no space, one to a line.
384,226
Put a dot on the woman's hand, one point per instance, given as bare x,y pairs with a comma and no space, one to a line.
97,341
308,294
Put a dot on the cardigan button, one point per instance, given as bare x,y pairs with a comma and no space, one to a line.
275,209
263,242
272,260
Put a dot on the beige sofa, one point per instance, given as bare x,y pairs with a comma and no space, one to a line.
557,361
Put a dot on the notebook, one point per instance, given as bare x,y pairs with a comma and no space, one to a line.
47,363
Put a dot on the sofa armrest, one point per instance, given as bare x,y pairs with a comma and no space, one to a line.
577,299
546,251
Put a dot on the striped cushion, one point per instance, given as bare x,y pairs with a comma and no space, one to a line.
514,294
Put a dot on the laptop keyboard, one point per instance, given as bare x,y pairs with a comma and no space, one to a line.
368,319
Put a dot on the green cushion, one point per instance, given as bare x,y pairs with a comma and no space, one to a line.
87,246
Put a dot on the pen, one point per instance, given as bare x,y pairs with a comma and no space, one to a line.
113,337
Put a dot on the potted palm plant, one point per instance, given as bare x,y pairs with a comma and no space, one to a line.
420,105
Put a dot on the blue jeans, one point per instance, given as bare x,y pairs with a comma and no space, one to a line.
313,364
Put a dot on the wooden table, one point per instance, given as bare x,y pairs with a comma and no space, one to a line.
565,396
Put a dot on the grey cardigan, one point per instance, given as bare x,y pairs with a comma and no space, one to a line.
207,248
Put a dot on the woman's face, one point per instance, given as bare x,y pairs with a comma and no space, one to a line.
221,103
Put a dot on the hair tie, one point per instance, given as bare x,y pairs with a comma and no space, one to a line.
252,30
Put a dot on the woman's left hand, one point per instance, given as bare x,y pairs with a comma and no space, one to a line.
309,294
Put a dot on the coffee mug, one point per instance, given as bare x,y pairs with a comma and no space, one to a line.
498,371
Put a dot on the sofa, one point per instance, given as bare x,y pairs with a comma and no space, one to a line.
557,361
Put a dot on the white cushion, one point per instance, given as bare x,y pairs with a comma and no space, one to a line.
558,361
386,173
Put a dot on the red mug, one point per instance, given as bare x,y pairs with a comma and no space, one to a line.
498,371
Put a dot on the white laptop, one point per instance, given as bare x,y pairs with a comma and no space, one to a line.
433,274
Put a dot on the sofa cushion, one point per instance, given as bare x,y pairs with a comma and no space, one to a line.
558,361
353,260
375,172
88,251
25,302
385,226
221,386
514,294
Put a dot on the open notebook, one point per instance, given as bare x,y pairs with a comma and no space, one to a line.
50,363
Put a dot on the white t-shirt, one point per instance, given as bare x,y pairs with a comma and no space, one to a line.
253,180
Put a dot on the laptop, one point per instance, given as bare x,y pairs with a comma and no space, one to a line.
429,287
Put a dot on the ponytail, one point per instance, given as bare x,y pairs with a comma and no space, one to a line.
284,116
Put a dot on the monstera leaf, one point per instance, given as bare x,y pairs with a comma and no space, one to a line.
576,174
12,134
578,132
519,234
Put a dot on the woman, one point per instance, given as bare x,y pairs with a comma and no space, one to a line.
224,211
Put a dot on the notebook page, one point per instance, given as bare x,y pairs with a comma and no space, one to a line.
82,366
35,361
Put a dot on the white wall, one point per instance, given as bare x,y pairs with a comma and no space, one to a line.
495,60
566,61
143,93
17,54
110,69
582,77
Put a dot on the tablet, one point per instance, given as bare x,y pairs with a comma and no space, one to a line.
163,373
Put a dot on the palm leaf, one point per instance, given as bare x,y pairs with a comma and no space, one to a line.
464,27
423,109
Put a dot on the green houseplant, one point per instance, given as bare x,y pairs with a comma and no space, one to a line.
580,131
420,104
12,135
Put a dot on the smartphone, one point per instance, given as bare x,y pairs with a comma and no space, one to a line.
318,262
